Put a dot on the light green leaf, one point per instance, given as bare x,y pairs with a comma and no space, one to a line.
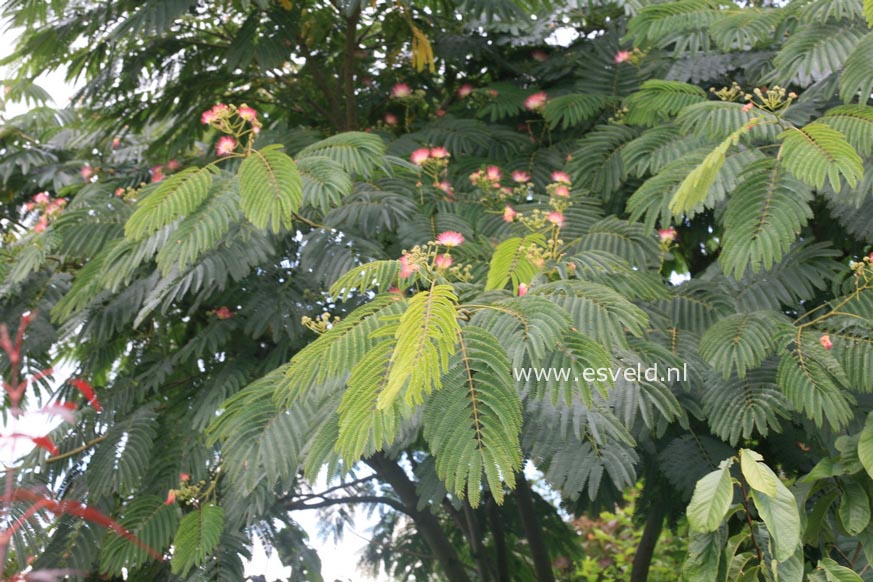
837,573
198,534
865,445
854,508
759,479
818,152
780,515
711,499
271,190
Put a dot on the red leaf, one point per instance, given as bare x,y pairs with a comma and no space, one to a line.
46,443
88,392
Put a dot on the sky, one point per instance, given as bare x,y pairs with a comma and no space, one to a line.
339,560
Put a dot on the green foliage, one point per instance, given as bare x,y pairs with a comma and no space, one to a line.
816,153
510,262
178,196
198,535
271,190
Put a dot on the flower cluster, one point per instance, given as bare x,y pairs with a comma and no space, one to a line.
47,207
434,162
536,102
319,324
773,99
238,122
633,57
435,259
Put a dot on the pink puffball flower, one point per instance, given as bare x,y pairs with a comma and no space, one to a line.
29,206
450,238
520,176
443,261
439,153
622,57
223,312
41,224
86,172
119,192
555,218
561,177
748,107
390,119
446,187
173,165
509,214
536,101
247,113
116,142
493,173
667,235
440,113
213,114
420,156
157,174
41,198
493,92
522,289
475,177
826,342
465,90
562,191
225,146
406,268
400,90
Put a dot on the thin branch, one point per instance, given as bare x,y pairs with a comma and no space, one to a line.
77,450
293,506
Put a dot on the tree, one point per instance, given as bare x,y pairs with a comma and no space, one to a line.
543,238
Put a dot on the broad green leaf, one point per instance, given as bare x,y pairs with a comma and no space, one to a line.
711,500
865,445
757,477
854,508
780,515
271,190
837,573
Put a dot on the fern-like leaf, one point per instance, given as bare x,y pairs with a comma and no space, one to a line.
571,110
740,342
270,188
510,262
657,101
199,533
177,196
818,152
152,522
356,152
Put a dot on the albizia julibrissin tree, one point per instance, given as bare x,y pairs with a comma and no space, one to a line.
352,305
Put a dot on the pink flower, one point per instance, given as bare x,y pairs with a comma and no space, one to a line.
509,214
247,113
400,90
562,177
475,177
493,92
465,90
826,342
41,224
446,187
666,235
420,156
223,312
213,114
440,113
173,165
225,146
562,191
450,238
520,176
748,107
407,268
621,56
41,198
536,101
157,174
493,173
116,142
439,153
86,172
171,497
522,289
555,218
539,56
443,261
390,119
184,477
29,206
119,191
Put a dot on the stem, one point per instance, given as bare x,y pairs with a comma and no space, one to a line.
77,450
749,520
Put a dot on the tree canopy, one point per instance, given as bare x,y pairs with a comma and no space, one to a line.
289,242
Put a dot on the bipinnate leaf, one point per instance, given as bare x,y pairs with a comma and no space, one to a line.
197,536
270,188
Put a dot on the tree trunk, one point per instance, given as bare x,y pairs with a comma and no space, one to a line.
532,531
496,524
427,524
646,548
476,548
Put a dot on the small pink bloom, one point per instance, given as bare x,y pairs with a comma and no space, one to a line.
562,177
446,187
184,476
493,92
256,129
536,101
29,206
86,172
509,214
213,114
475,177
439,153
666,235
420,156
247,113
555,218
41,224
539,55
440,113
450,238
407,268
390,119
400,90
522,289
562,191
173,165
157,174
493,173
119,191
41,198
116,142
622,56
171,497
225,146
520,176
826,342
443,261
748,107
465,90
223,312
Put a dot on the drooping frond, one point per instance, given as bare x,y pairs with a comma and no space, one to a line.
717,120
121,459
696,306
597,162
177,196
656,148
660,24
379,275
627,240
270,188
747,28
473,424
740,342
812,53
426,339
657,101
763,218
325,183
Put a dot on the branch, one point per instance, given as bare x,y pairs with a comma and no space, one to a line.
293,506
77,450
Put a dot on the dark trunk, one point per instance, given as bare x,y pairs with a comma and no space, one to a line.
476,548
427,524
646,548
532,531
501,557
